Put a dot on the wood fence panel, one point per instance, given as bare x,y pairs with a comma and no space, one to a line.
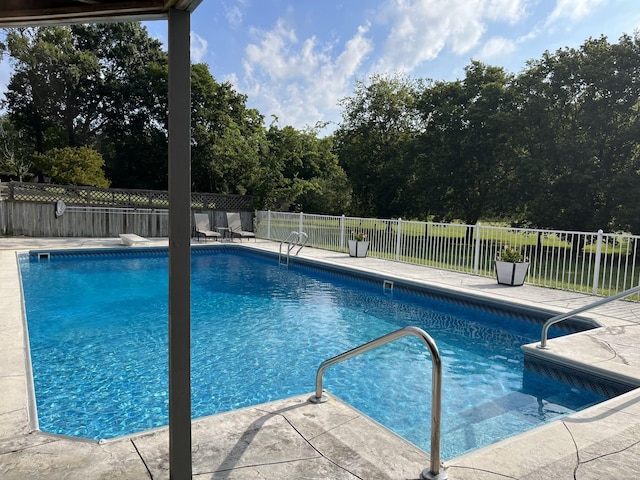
3,217
29,209
39,220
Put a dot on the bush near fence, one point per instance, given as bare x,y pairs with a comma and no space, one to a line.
589,262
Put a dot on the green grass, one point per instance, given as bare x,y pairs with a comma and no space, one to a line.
554,262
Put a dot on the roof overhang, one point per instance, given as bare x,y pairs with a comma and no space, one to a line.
22,13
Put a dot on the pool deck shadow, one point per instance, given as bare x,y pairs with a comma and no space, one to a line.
296,439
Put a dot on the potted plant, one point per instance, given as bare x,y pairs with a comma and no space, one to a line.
511,266
359,246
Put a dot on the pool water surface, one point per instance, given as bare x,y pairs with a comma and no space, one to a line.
98,338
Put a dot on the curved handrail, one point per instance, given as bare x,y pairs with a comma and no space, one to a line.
290,240
293,240
436,387
301,242
564,316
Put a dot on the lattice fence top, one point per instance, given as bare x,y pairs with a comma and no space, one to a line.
214,201
113,197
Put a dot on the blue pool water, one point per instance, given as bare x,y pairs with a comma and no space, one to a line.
98,335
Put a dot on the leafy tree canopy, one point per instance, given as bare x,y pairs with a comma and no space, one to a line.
15,151
554,146
73,165
374,143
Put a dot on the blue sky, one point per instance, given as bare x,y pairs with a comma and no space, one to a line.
296,59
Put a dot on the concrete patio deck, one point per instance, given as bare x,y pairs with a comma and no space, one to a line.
294,439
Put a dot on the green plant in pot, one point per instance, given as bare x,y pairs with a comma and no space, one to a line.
358,245
511,266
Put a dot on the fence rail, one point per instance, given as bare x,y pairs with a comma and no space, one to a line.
595,263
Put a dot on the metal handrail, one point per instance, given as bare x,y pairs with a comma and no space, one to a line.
293,240
436,387
289,240
302,241
564,316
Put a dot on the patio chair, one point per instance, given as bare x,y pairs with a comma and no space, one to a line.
203,227
235,227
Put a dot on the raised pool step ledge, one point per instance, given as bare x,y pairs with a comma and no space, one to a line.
605,359
598,442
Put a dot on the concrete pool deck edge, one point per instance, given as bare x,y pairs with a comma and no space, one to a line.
600,441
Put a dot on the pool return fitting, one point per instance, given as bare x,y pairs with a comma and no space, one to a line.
434,472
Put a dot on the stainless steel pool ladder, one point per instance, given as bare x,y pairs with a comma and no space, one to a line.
573,313
293,240
433,473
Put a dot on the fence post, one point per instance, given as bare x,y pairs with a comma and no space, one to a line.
300,229
476,255
399,239
342,231
269,225
596,267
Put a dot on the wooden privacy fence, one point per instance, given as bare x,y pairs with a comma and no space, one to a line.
30,209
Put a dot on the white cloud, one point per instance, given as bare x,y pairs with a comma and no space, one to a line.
199,47
234,12
495,48
573,10
421,29
300,81
506,10
563,17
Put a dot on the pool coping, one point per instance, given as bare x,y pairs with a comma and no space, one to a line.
602,434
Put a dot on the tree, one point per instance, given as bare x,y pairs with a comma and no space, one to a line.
374,143
467,138
133,138
227,137
580,130
49,77
102,86
300,172
327,189
15,151
73,165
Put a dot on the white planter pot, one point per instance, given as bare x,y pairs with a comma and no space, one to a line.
358,249
509,273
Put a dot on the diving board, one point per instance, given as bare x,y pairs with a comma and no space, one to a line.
132,239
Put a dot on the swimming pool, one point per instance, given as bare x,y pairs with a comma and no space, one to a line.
98,321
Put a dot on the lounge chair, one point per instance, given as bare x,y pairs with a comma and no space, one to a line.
235,227
203,227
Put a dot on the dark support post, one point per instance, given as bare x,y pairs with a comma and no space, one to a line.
179,246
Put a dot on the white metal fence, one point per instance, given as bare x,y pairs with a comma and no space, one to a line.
596,263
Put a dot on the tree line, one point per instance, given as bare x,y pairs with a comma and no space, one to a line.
554,146
87,105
